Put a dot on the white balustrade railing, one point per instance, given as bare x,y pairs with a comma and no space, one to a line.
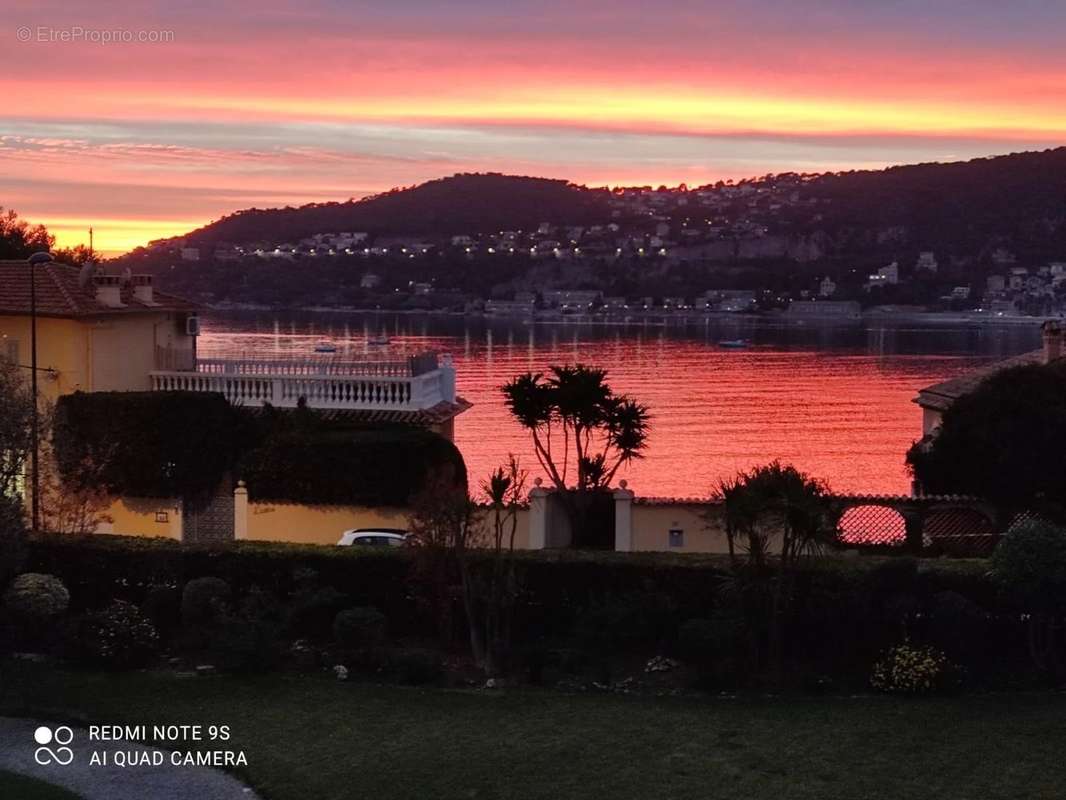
329,385
242,366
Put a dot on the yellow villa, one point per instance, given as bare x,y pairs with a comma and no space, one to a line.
94,332
103,332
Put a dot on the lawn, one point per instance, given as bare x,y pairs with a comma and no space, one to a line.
19,787
315,737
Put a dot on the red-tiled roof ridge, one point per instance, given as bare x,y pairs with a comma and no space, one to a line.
49,269
939,396
60,293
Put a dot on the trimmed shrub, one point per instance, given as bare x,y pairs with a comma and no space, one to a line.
202,600
312,613
33,598
119,637
1030,564
355,628
241,644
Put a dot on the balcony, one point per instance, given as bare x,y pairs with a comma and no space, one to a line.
415,384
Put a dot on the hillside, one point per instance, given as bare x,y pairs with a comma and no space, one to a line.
1016,201
780,234
466,203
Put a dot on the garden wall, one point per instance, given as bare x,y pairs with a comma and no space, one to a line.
144,516
678,526
302,524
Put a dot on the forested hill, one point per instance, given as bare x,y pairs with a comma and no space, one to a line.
466,203
1017,201
963,209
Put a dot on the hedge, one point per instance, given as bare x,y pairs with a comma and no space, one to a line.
183,444
349,466
848,610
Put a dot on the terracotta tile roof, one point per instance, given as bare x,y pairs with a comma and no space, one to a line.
60,295
674,501
940,396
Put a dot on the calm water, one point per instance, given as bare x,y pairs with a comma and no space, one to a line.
834,400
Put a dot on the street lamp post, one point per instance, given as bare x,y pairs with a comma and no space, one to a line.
34,261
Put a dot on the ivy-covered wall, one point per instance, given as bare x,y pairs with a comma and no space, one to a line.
182,444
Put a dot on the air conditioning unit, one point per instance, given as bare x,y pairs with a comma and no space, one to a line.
192,325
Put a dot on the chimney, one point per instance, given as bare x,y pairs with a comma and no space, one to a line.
108,290
1053,334
142,289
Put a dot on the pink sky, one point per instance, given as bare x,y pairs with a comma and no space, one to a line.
286,103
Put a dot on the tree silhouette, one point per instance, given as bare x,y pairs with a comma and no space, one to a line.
582,431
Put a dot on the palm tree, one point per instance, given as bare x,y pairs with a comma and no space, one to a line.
582,432
776,515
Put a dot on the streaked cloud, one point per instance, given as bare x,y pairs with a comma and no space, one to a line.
277,102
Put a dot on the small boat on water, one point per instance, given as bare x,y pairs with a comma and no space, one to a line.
734,344
325,347
378,341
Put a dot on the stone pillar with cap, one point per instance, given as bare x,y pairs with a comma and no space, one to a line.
538,515
240,511
623,518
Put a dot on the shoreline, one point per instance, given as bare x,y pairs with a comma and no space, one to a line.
659,318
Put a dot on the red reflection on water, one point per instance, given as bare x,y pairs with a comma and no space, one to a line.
844,417
848,419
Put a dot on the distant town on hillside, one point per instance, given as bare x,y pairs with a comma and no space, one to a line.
987,235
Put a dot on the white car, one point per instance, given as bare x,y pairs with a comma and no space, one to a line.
373,537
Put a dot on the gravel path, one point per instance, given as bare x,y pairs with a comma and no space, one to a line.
96,782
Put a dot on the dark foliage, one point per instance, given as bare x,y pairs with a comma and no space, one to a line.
355,466
147,444
183,444
19,238
1017,200
359,627
118,637
12,539
1005,441
608,606
203,600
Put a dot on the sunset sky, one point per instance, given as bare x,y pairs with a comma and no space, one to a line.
273,103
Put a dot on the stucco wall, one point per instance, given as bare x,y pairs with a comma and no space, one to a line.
521,535
282,522
123,349
652,524
94,355
62,345
137,516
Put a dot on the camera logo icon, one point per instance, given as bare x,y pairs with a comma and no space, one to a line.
61,736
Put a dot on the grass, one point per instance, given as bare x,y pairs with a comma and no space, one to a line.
314,737
19,787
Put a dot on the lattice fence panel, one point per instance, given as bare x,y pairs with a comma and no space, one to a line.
872,525
959,532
